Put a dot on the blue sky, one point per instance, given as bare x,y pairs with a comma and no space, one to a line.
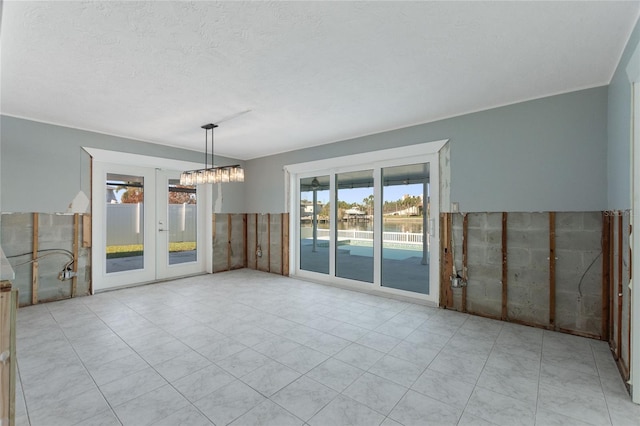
356,195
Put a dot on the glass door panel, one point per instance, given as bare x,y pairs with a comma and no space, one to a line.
183,222
125,223
354,228
315,220
405,241
180,226
124,250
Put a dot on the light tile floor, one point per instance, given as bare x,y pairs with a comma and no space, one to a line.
249,348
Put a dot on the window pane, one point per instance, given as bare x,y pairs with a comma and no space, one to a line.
182,222
125,223
354,231
314,224
405,201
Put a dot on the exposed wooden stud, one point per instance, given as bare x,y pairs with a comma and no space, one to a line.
443,259
76,243
229,230
630,292
213,242
446,298
244,240
627,377
606,257
8,307
34,265
12,354
256,246
86,230
619,294
285,244
465,259
5,346
504,266
268,242
612,287
552,269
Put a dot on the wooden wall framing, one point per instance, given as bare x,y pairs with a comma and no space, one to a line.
37,242
598,267
8,308
618,272
261,241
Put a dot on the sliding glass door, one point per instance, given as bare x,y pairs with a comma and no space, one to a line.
353,232
315,221
405,216
370,227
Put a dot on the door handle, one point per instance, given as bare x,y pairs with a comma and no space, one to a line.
163,230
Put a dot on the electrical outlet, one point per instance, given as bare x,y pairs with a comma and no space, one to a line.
67,274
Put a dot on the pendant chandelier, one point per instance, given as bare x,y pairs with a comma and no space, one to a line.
211,174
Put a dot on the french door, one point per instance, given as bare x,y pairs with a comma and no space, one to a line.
369,222
146,226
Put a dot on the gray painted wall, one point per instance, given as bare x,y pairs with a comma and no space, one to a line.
43,166
547,154
619,130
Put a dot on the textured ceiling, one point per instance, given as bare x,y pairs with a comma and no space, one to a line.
310,72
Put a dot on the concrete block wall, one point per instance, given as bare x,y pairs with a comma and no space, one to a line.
262,247
220,243
275,244
17,238
528,267
237,241
55,232
528,286
579,271
255,241
252,244
229,241
484,289
457,241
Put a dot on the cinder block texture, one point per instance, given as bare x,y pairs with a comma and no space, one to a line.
579,271
237,241
457,237
263,242
55,250
251,240
484,288
528,267
220,242
275,244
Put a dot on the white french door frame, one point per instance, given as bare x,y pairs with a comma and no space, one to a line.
164,269
104,161
376,161
100,278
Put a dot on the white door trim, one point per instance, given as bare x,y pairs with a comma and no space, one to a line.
373,160
101,156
